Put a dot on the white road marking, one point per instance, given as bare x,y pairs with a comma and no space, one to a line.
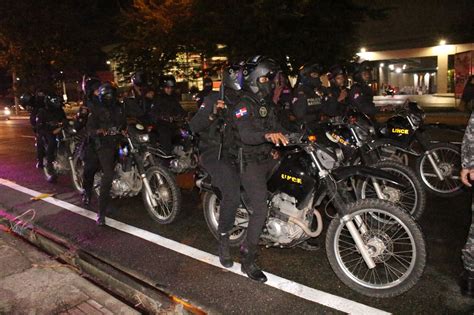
288,286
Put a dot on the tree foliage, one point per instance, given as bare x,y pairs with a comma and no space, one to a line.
39,39
296,31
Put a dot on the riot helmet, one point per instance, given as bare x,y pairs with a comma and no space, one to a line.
259,73
167,81
362,72
89,85
140,79
107,94
207,84
26,99
337,76
232,77
309,75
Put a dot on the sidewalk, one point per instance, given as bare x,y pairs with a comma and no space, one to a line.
33,283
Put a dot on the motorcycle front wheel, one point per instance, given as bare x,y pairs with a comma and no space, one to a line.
395,244
166,194
211,208
447,158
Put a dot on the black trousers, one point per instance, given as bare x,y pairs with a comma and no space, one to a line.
225,177
254,181
40,147
48,140
102,157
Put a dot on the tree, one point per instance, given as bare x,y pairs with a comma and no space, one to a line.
42,40
292,31
152,33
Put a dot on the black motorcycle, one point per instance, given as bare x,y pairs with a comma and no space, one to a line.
67,158
138,172
372,245
353,133
437,164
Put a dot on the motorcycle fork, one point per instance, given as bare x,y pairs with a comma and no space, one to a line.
367,158
432,157
355,226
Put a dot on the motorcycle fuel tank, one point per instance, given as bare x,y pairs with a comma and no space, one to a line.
398,128
293,176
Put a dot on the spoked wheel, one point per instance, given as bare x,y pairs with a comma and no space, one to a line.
211,207
411,197
395,244
166,195
447,158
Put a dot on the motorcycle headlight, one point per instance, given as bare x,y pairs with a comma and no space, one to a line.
143,138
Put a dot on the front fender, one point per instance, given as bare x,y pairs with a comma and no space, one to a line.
385,142
346,172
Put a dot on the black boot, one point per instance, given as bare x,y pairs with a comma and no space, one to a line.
467,283
224,250
86,199
101,218
249,266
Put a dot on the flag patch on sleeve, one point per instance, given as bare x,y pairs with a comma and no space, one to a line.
241,112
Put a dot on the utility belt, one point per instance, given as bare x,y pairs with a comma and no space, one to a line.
244,158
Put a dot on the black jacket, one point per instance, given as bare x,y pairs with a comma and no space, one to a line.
165,107
306,103
104,117
362,98
331,106
49,119
214,125
251,121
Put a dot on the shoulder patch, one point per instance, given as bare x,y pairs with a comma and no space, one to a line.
241,112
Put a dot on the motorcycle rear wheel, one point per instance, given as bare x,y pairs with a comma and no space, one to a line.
395,244
211,208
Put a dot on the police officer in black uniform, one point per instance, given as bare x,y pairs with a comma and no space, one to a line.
165,110
90,88
35,102
361,95
139,101
49,121
308,95
207,89
256,130
217,147
105,122
335,101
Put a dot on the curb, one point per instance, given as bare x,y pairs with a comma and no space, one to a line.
140,295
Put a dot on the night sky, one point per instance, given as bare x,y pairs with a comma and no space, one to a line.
419,23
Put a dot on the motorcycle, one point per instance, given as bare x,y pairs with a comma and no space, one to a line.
353,135
67,158
185,155
373,246
438,164
138,172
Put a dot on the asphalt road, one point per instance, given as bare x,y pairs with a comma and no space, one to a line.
445,224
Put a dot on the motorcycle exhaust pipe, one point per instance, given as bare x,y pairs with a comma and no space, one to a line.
202,184
305,228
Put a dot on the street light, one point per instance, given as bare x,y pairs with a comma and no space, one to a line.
442,42
108,62
363,50
382,65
